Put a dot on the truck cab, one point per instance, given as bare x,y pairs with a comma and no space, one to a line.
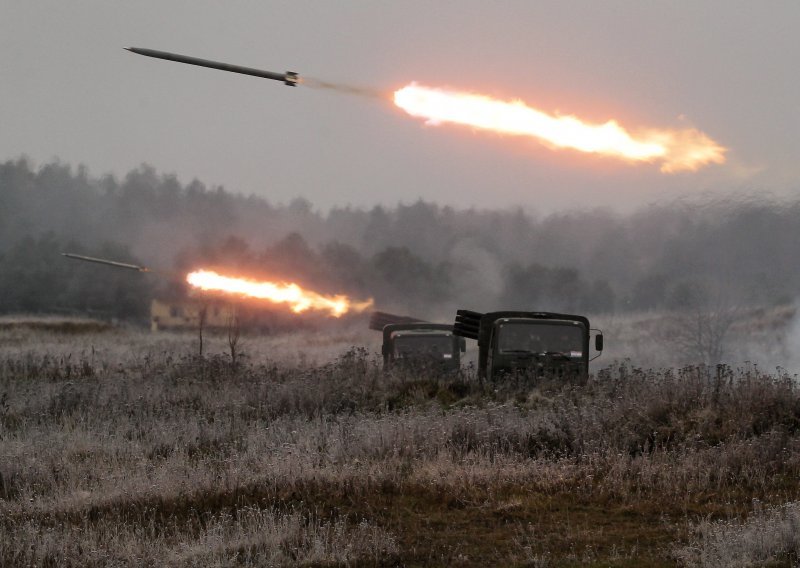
534,343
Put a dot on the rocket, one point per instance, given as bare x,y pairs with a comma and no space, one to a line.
108,262
289,77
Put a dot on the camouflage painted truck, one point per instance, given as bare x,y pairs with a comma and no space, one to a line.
413,343
540,344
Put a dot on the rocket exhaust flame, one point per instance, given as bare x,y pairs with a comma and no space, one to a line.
675,150
294,296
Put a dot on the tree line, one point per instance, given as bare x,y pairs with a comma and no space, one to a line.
417,257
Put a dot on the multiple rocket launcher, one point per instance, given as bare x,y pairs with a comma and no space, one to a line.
290,78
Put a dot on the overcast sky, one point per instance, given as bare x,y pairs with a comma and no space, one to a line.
69,91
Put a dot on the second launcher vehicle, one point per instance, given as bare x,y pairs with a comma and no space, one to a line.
410,342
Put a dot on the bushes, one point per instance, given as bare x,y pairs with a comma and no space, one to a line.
119,446
770,536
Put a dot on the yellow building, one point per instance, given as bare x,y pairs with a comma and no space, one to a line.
185,314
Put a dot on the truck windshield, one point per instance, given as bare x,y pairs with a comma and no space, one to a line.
518,337
423,345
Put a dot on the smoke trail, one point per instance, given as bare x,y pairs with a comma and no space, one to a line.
344,89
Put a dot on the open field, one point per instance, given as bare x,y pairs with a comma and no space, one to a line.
118,447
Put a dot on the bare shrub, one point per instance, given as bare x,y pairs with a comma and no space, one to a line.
769,536
701,334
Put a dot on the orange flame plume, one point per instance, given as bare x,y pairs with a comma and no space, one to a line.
675,150
298,299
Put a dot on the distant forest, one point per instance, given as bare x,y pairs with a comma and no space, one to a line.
419,258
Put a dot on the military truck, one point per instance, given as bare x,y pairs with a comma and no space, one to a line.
413,343
540,344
